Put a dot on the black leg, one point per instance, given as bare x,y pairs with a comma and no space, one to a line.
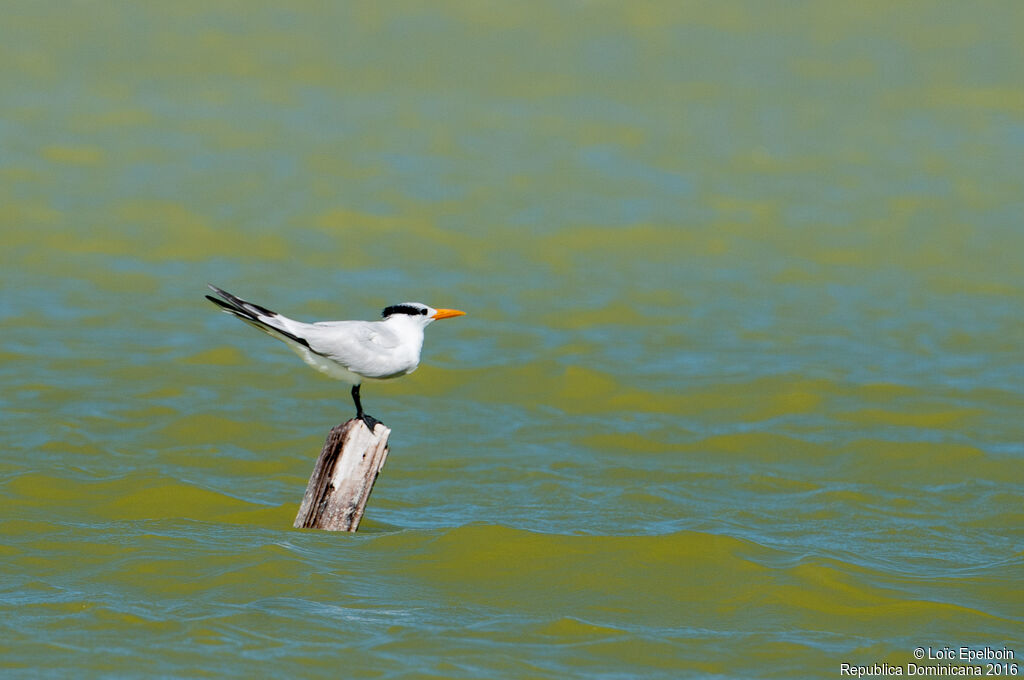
355,398
369,420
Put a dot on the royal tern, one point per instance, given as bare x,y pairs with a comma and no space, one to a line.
350,351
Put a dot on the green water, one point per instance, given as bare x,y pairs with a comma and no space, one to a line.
738,395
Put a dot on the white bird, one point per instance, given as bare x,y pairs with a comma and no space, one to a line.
350,351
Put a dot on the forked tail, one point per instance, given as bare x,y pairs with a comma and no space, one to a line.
258,317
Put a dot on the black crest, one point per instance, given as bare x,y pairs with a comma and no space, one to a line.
403,309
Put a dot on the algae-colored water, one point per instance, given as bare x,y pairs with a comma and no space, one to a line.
739,393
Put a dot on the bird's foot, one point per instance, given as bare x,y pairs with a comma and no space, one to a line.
369,421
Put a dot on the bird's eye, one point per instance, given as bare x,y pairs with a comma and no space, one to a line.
423,312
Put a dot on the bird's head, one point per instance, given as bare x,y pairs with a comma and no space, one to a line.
417,312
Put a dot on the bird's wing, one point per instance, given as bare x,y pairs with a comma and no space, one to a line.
372,334
364,347
272,323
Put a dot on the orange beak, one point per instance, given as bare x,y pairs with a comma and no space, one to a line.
447,313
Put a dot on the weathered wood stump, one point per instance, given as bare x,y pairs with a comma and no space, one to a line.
343,477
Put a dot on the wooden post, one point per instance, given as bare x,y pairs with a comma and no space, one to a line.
343,477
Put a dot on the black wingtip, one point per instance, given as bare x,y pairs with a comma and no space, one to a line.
219,291
249,317
228,307
250,307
